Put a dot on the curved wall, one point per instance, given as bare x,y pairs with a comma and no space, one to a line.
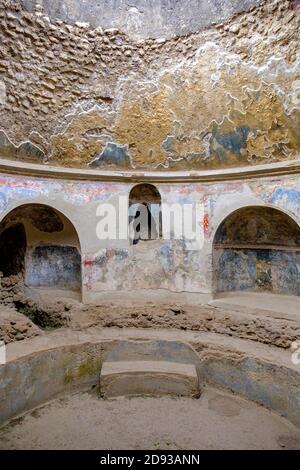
52,250
251,248
63,363
77,96
112,266
144,18
219,94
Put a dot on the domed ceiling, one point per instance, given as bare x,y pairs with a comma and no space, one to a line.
169,85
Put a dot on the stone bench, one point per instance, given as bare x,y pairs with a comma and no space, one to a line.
132,378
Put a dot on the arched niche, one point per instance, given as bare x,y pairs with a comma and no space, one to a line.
144,213
41,244
257,249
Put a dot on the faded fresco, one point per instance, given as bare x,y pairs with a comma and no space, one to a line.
149,265
54,266
78,96
41,245
260,244
257,249
261,226
258,270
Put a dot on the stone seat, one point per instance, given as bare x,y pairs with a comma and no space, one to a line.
155,378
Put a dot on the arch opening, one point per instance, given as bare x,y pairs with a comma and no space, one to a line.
40,245
257,249
12,249
145,221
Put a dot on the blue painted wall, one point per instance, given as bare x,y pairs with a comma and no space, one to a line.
259,270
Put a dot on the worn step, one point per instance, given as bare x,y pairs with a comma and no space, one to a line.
132,378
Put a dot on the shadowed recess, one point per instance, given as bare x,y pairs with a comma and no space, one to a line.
257,249
42,244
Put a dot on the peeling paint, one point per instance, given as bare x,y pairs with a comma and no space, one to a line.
112,154
26,150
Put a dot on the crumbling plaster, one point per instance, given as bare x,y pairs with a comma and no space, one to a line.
52,249
114,265
80,96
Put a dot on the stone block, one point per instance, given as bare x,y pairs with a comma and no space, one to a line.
132,378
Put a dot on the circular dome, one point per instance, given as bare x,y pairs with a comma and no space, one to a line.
144,18
160,86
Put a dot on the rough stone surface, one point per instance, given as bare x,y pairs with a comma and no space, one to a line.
2,93
11,289
16,327
256,327
17,308
223,97
236,322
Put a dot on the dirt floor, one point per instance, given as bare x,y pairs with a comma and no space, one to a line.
217,420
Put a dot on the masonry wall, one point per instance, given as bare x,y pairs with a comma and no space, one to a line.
42,245
143,18
257,249
127,92
258,270
220,90
53,259
114,266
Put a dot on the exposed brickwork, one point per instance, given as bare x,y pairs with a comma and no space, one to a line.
68,90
